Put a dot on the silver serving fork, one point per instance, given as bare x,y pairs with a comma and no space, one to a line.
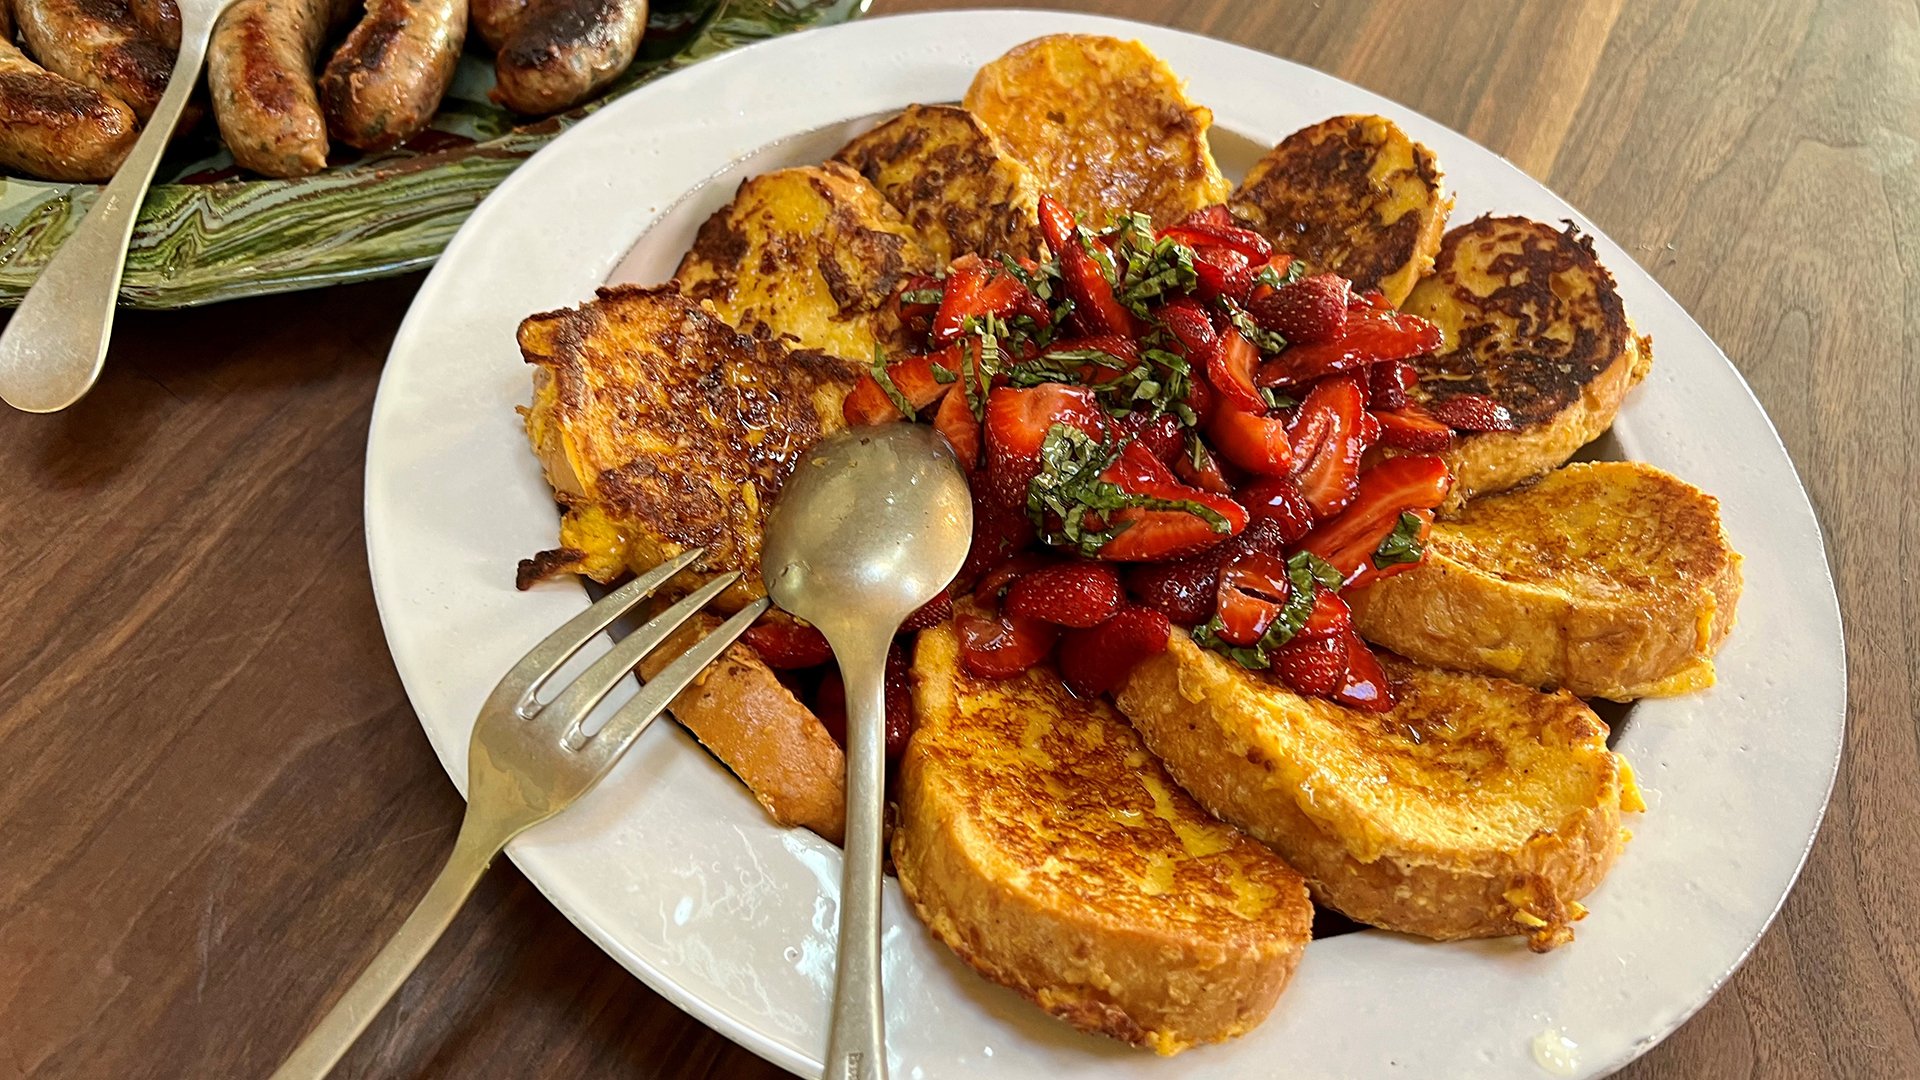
528,761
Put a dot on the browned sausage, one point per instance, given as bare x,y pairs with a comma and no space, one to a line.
386,80
494,20
160,19
97,44
260,69
56,129
561,51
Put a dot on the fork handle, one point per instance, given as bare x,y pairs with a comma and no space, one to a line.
316,1055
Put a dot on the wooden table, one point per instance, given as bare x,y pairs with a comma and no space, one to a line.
218,802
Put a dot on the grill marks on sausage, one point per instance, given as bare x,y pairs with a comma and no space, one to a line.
97,44
53,127
260,68
558,52
386,80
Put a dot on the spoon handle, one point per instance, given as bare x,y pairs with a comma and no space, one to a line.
857,1040
52,350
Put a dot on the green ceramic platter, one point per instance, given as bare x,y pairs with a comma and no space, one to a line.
209,232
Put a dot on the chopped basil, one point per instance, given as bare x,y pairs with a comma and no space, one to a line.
1069,487
1402,545
1304,571
879,368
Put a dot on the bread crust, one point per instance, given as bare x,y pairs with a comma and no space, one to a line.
1475,808
1609,579
1041,842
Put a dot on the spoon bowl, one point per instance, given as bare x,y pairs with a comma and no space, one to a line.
871,525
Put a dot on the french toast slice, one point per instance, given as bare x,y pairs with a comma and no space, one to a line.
1104,124
808,255
1530,319
662,428
1041,842
1352,195
741,711
1476,807
952,181
1610,579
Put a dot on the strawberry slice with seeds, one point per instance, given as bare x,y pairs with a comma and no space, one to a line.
1217,214
1230,367
1372,334
997,646
1311,311
1253,588
1414,482
912,377
1000,529
1018,421
1198,234
1187,590
955,420
1222,273
1314,666
932,613
1278,499
1187,321
1251,440
1095,309
1077,593
995,582
1149,533
1162,436
1198,468
1370,571
1411,427
1472,412
976,287
1098,660
1328,442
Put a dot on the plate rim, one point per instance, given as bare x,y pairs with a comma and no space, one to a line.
750,1037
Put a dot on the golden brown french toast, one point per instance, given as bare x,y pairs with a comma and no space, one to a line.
662,428
1530,319
1352,195
1611,579
1042,842
1104,124
741,711
952,181
810,255
1476,807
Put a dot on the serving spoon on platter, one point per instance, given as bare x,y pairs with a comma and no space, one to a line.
871,525
53,348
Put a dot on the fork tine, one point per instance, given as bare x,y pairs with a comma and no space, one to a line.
534,669
612,740
571,706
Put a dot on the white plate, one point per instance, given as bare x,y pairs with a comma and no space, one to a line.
675,871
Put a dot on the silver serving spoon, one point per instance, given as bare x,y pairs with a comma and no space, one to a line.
53,348
872,524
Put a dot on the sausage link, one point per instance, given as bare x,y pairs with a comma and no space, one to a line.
160,19
97,44
260,69
386,80
56,129
561,51
495,20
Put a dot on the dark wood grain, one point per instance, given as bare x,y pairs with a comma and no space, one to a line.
217,801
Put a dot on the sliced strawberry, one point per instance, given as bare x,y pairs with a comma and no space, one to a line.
932,613
786,644
912,376
955,420
1124,348
1077,593
1414,482
994,647
1000,529
1280,500
976,287
1197,235
1162,436
1472,412
1095,308
1328,443
1200,469
917,318
1202,399
1148,534
1230,366
1314,666
1187,321
995,582
1371,335
1098,660
1185,590
900,717
1253,587
1280,264
1310,311
1018,421
1388,383
1366,685
1222,273
1216,214
1371,572
1255,442
1411,427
